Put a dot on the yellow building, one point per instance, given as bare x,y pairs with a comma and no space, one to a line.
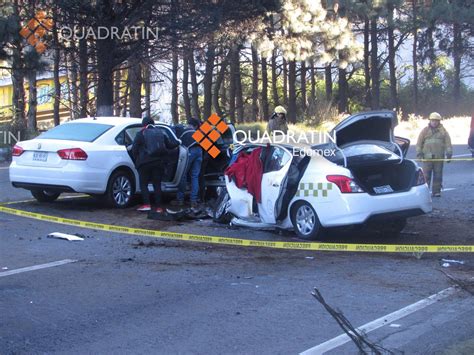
45,97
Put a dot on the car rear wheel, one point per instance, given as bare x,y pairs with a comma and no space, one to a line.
305,221
45,195
120,190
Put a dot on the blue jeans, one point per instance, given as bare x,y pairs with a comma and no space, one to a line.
193,168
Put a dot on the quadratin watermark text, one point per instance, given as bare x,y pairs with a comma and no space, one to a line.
113,32
291,138
9,138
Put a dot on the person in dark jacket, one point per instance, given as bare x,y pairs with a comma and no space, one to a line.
193,167
149,168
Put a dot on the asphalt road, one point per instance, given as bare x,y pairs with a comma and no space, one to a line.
125,294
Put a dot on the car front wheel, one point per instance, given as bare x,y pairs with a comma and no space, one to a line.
45,195
305,221
120,190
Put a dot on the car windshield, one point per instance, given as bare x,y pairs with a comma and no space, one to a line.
81,132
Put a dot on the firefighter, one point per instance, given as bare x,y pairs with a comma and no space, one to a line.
433,145
278,121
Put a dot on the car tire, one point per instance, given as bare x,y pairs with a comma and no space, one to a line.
45,195
305,221
120,189
393,228
220,214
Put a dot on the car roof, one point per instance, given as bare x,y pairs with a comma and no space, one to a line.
115,121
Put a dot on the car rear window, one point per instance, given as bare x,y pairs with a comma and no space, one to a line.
82,132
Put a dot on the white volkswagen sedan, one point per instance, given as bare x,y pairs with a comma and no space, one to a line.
366,181
90,156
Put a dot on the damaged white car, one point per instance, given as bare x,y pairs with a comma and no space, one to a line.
367,181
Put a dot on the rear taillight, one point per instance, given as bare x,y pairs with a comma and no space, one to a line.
72,154
420,177
17,151
345,184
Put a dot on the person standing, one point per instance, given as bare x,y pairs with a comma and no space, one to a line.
149,149
278,121
434,144
193,166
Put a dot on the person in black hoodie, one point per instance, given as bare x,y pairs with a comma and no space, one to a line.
149,168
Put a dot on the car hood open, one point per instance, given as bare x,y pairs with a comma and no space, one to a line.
366,126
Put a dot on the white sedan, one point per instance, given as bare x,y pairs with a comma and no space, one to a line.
90,156
367,180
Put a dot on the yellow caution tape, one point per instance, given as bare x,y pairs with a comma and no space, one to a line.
351,247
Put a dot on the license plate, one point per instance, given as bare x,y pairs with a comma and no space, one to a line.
40,156
385,189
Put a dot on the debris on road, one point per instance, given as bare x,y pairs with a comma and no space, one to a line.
70,237
452,261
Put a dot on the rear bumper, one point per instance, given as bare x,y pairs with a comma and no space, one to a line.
72,177
31,186
363,208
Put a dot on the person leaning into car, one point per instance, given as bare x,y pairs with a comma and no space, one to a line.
149,168
434,143
193,167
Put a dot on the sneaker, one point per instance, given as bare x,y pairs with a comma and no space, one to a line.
159,210
144,208
194,204
177,203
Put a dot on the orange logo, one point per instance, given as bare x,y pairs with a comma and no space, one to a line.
35,29
209,132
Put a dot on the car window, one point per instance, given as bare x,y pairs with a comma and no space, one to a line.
277,160
81,132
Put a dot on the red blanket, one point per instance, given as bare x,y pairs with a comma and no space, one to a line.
247,173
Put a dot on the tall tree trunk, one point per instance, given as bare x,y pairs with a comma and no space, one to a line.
414,59
135,80
117,91
147,85
374,61
74,89
32,101
368,98
431,51
233,81
186,100
328,82
18,96
304,102
255,84
217,86
83,81
194,86
313,82
57,83
292,91
265,108
105,86
391,60
239,99
285,82
343,91
276,99
457,56
210,57
174,87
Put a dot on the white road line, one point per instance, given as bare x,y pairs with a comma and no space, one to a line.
462,155
380,322
448,189
37,267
